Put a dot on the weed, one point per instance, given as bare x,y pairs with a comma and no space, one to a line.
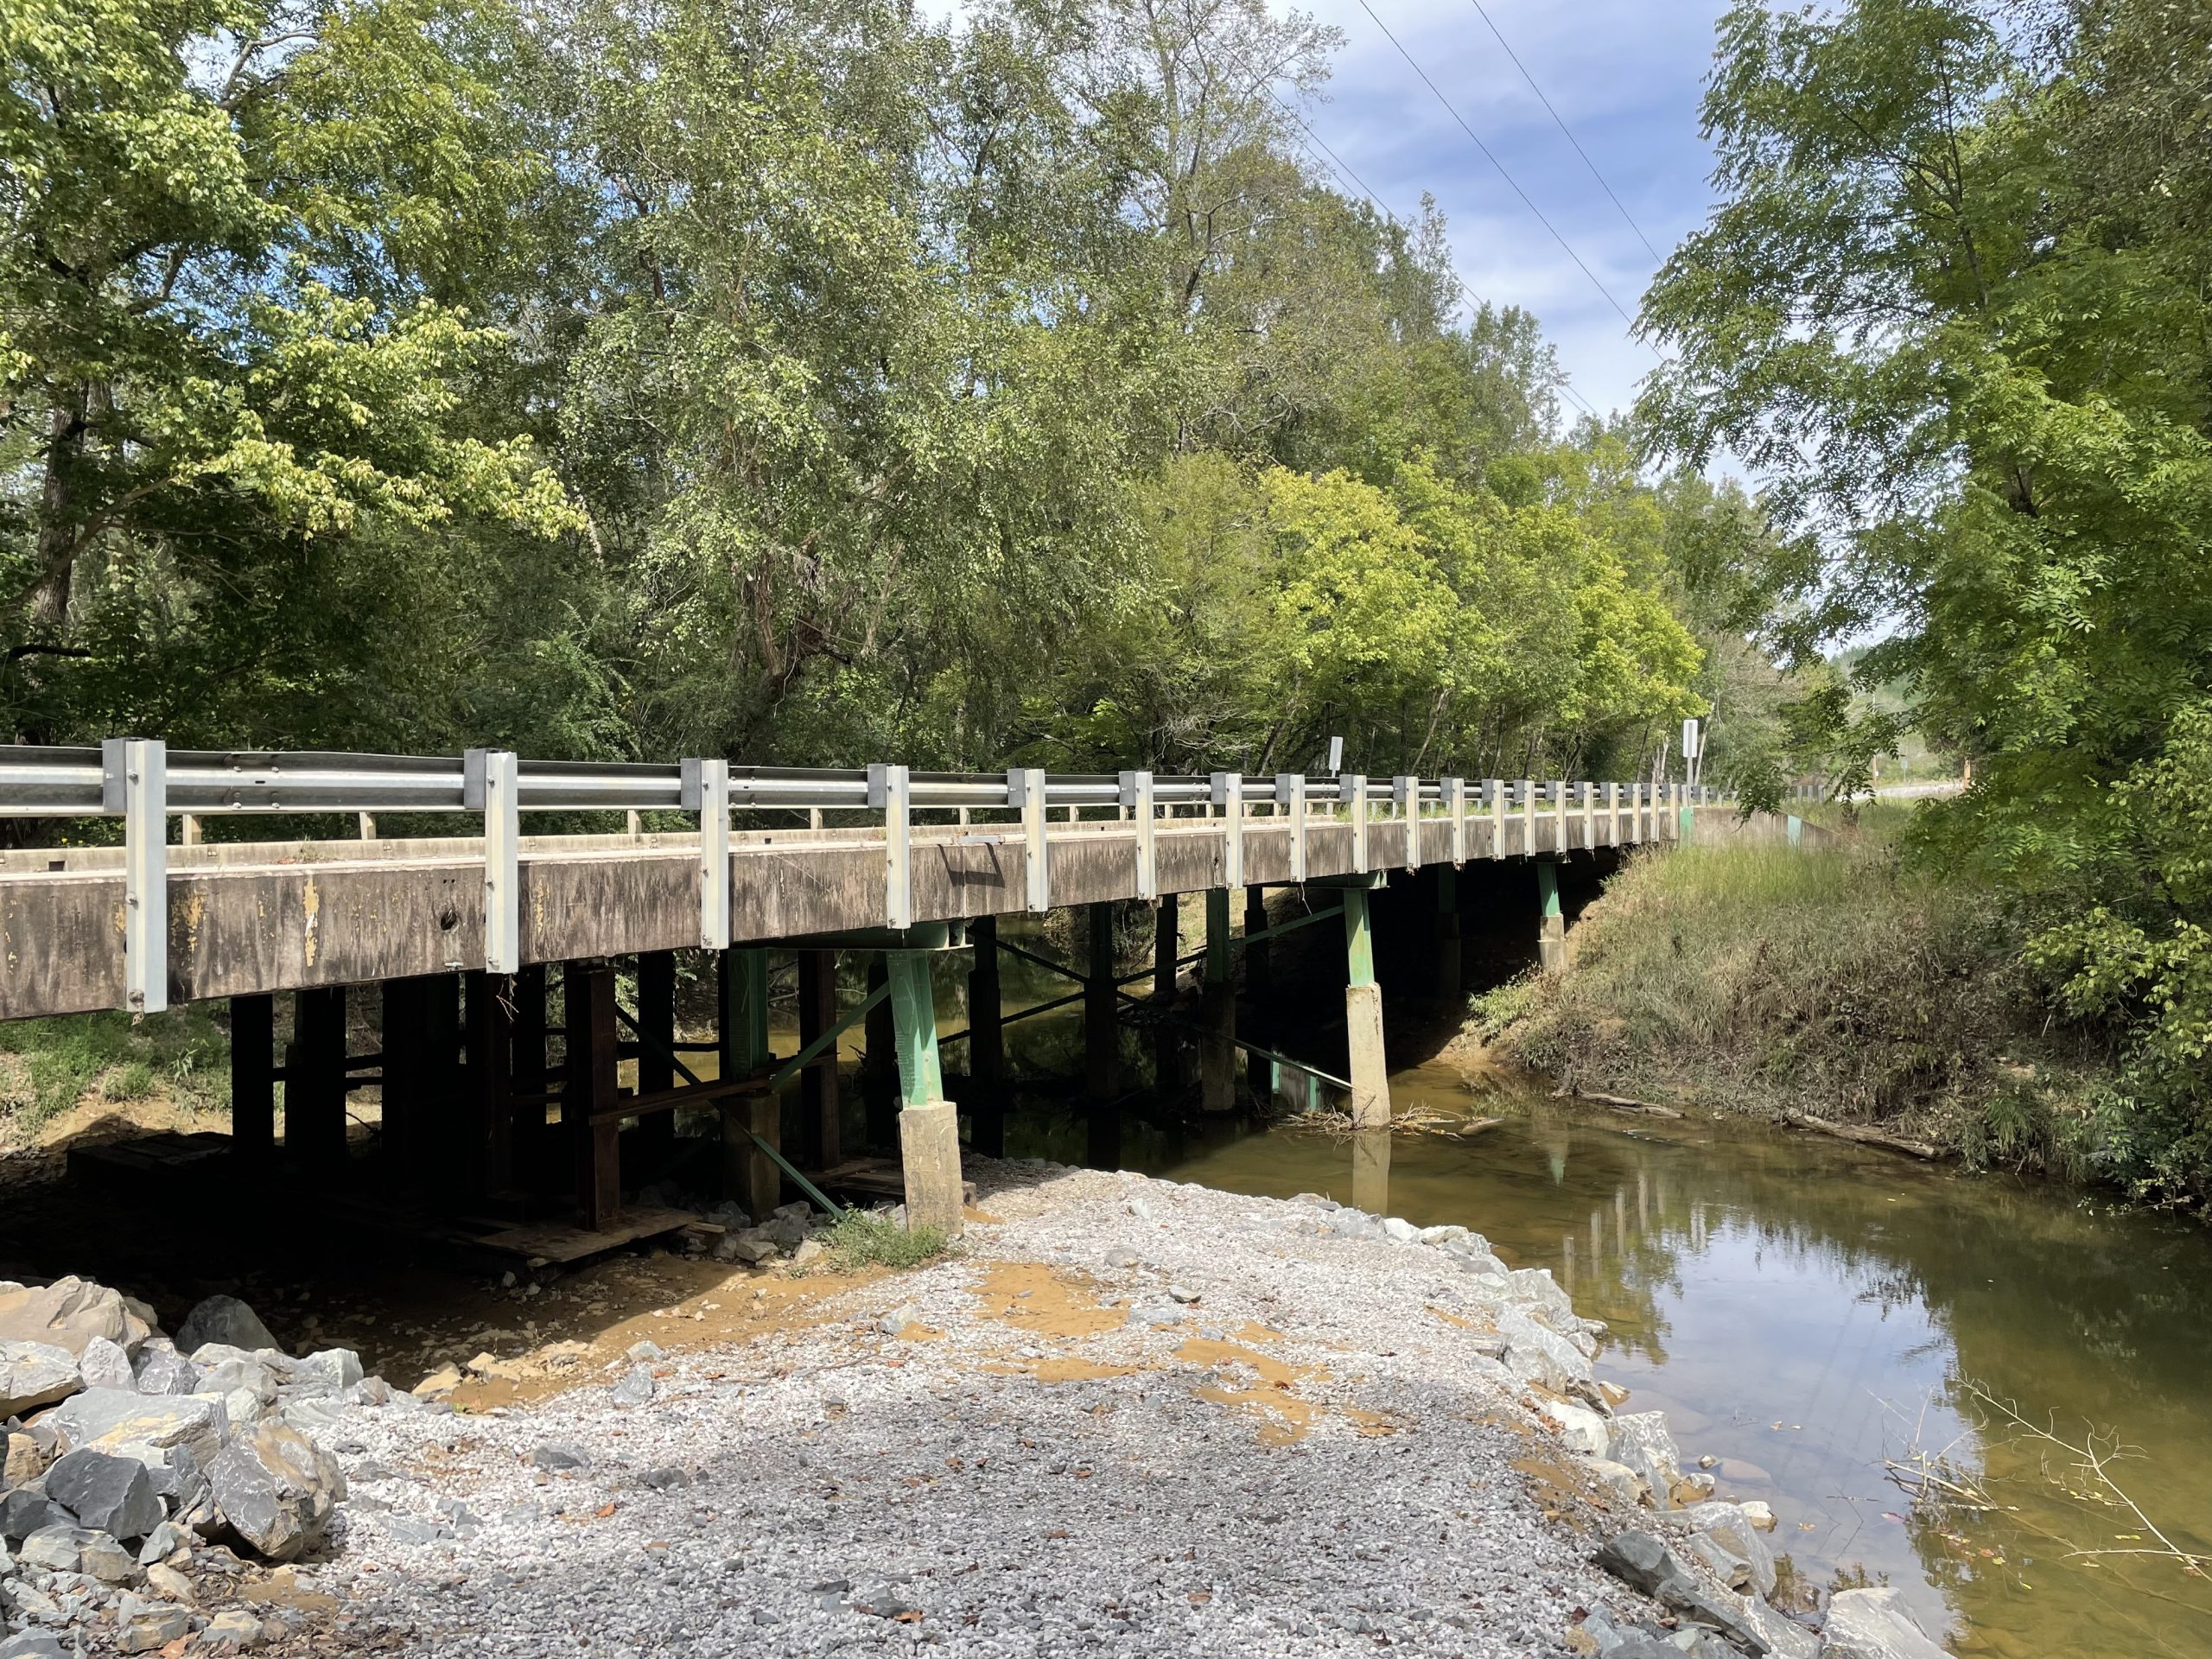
52,1063
862,1238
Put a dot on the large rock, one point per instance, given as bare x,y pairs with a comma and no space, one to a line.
162,1369
1785,1638
332,1370
276,1489
1873,1624
1536,1287
1537,1353
23,1512
1644,1562
108,1420
68,1314
225,1319
1641,1442
1727,1526
34,1374
104,1365
1580,1429
107,1494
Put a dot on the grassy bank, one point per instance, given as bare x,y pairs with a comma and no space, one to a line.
48,1068
1836,982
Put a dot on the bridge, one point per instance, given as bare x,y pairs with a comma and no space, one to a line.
456,926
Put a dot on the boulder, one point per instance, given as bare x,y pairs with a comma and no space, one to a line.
635,1388
1785,1638
109,1419
1623,1482
32,1644
225,1319
1640,1440
34,1374
104,1558
1737,1533
23,1512
784,1232
1537,1353
330,1370
236,1627
57,1549
162,1369
174,1472
1536,1287
276,1489
226,1370
150,1626
68,1314
1643,1562
104,1365
106,1493
751,1247
24,1459
1580,1429
1873,1624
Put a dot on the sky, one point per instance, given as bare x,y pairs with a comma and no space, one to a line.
1625,75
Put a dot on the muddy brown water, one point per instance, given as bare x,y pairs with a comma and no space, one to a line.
1817,1316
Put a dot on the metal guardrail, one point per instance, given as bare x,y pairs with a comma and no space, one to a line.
144,783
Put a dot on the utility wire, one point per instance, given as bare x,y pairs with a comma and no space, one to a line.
1344,171
1485,149
1561,123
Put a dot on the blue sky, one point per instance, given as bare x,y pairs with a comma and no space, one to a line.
1625,74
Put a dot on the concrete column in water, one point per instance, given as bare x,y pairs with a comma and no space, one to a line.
929,1130
986,1041
1102,1018
1448,953
1370,1074
1551,939
749,1175
1217,1013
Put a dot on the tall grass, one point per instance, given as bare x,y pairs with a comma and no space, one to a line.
1837,982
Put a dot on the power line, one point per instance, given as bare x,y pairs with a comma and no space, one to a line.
1344,171
1561,124
1526,201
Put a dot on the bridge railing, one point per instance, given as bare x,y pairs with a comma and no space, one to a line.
144,784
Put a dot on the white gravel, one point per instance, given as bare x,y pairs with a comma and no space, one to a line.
835,1468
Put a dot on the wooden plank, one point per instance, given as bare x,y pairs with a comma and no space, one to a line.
551,1242
882,1178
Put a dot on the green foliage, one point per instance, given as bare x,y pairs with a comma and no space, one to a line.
46,1066
862,1238
1954,309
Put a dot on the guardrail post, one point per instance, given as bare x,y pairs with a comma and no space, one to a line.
1406,791
134,786
1290,793
1353,790
491,785
1455,802
706,791
1229,795
1587,794
890,788
1524,797
1557,790
1494,791
1613,814
1137,798
1025,789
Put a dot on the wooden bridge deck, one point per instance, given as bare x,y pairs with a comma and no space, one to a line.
248,918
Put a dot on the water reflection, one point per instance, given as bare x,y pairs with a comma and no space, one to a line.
1803,1310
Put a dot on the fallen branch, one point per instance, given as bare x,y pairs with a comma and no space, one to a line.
1618,1102
1865,1136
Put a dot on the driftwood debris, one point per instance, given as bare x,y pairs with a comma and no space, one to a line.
1619,1102
1865,1136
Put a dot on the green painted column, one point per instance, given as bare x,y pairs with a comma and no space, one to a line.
1217,1013
1370,1071
913,1017
929,1130
1551,936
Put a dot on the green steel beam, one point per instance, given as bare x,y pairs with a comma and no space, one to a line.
1359,938
913,1011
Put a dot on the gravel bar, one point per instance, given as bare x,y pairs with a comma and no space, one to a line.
1129,1416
